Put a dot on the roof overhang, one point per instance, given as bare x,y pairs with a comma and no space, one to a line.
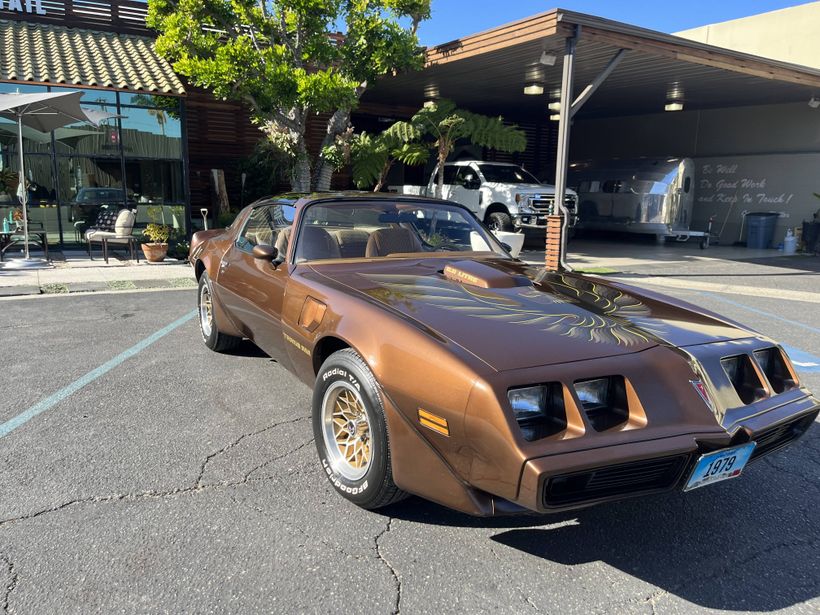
47,54
487,71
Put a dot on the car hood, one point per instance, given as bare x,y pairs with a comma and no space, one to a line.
512,316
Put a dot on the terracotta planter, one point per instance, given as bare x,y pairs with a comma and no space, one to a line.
155,252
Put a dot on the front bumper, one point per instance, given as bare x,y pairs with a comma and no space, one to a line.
583,478
536,221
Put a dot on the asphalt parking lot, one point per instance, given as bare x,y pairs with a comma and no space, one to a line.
172,479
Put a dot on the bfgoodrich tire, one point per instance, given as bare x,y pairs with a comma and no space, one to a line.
216,341
351,432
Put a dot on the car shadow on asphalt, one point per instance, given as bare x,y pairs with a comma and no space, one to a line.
750,544
246,348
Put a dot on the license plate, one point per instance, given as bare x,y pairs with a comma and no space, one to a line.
720,465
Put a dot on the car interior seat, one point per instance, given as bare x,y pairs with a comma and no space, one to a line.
387,241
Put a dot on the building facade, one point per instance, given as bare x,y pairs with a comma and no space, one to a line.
156,155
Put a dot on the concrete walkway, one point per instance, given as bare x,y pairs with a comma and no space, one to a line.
740,269
73,271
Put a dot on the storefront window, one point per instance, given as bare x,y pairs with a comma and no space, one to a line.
87,186
151,133
11,88
156,187
42,195
145,140
82,139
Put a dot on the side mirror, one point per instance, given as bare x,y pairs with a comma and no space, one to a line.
472,184
265,252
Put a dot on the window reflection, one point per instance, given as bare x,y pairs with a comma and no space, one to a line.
151,133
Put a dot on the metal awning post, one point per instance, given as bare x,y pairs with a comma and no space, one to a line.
562,155
21,183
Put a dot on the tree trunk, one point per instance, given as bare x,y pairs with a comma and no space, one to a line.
220,193
336,125
300,175
442,157
383,175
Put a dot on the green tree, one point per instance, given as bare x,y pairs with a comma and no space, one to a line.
286,59
440,125
372,157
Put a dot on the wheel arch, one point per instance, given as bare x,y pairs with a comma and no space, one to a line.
199,268
495,208
326,347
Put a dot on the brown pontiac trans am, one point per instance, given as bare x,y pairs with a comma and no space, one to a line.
443,367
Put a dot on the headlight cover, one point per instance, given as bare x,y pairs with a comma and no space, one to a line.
539,410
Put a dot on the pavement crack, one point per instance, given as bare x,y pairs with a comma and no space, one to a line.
381,558
277,458
234,443
12,584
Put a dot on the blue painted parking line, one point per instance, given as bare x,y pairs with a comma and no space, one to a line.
802,360
50,401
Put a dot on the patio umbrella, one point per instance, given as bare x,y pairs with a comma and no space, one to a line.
44,111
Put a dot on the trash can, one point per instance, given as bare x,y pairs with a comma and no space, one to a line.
761,225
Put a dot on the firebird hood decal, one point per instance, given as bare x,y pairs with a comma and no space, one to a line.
558,318
617,322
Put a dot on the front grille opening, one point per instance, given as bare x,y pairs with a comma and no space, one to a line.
551,420
744,378
773,364
619,480
779,436
604,401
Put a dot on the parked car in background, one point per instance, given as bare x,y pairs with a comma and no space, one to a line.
504,196
651,196
443,367
89,201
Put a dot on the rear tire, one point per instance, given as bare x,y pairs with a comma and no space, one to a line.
500,221
350,432
213,338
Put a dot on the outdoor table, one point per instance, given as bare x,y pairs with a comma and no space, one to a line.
17,238
130,240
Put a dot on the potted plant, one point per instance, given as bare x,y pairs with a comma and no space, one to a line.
156,246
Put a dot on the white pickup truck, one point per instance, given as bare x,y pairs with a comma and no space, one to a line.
505,196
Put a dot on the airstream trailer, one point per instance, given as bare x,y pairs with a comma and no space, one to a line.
648,195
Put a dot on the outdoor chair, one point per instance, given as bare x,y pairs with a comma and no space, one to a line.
118,235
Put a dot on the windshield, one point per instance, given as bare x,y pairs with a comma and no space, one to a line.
507,174
378,229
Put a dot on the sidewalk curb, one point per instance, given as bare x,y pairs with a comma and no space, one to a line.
91,287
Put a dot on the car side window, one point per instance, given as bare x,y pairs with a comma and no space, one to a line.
465,176
264,225
450,175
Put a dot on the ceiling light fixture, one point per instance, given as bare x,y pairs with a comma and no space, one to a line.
554,106
675,105
533,89
555,117
547,59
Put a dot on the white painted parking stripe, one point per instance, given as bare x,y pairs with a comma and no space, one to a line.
50,401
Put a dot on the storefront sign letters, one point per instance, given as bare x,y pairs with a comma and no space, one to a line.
35,7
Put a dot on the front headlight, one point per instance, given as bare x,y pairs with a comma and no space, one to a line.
539,410
593,392
604,401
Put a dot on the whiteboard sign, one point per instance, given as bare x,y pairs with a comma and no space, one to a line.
33,7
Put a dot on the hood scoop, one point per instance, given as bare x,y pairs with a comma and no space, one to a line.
478,274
